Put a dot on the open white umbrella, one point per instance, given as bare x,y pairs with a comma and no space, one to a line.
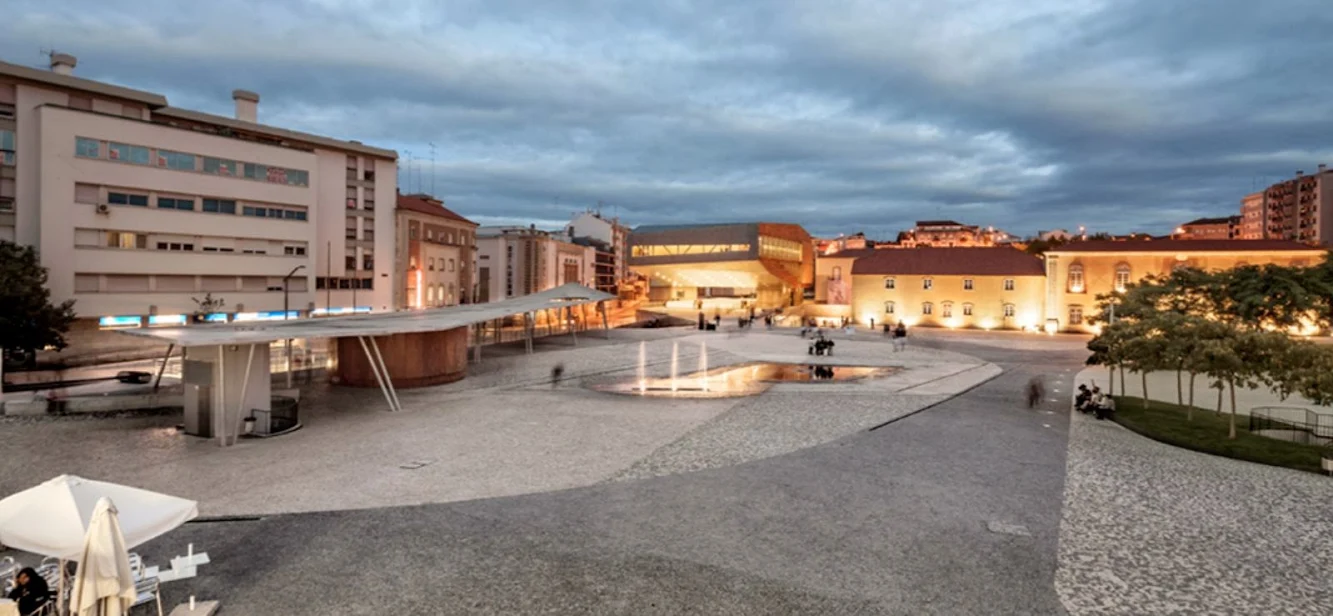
103,585
52,519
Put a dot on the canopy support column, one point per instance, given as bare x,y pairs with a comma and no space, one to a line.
374,367
222,397
606,324
388,379
240,404
163,368
572,323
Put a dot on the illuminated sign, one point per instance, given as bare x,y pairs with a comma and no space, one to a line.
159,320
126,321
271,315
341,310
216,317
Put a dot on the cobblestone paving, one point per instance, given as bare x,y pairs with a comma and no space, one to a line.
1153,529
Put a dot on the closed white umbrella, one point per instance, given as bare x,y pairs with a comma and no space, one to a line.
103,584
51,519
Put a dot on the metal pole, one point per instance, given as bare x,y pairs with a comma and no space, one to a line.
328,279
163,367
529,327
245,385
384,368
222,396
573,326
285,309
373,368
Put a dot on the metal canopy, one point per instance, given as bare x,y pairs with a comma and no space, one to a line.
380,324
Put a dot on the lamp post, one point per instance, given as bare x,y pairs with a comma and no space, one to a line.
285,316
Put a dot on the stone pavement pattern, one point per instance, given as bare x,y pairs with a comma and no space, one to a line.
1153,529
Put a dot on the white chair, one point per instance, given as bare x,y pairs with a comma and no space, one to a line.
147,590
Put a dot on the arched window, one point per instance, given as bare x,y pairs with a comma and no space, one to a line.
1008,311
947,311
451,265
837,272
1076,278
888,307
451,293
1075,315
967,310
430,264
1122,273
927,308
430,295
890,283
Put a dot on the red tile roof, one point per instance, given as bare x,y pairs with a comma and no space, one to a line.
850,253
1183,246
1002,261
427,205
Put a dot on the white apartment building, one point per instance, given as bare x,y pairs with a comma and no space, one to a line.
138,208
517,261
613,268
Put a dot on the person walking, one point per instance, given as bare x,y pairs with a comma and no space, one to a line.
557,371
900,337
1036,391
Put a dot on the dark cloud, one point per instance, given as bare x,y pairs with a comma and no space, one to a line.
848,116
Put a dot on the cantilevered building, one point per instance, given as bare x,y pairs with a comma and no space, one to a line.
706,266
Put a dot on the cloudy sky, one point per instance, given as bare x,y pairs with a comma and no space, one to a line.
842,115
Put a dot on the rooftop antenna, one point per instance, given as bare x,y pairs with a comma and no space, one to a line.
408,184
432,168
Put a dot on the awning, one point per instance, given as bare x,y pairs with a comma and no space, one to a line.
375,324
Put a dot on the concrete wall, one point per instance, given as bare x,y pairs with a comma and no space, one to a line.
225,377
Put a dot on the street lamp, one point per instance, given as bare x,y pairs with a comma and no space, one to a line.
285,315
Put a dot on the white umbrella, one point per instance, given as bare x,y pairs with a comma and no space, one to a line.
51,519
103,585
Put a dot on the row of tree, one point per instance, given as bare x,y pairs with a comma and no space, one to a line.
1237,327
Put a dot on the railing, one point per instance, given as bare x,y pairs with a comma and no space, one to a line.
1295,424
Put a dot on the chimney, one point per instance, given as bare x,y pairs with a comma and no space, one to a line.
1323,167
247,105
1299,173
63,63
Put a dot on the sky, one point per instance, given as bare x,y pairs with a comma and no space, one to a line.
842,115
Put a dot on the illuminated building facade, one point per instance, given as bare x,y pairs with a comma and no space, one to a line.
1076,273
768,265
436,254
989,288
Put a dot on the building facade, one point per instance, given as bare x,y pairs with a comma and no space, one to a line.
724,266
611,239
833,276
1220,228
1295,209
1077,273
139,209
517,261
435,252
989,288
1252,217
949,233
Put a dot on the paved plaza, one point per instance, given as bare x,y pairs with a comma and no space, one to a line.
933,490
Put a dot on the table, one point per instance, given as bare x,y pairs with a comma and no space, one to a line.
8,608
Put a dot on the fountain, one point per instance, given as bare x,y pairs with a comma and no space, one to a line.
643,358
675,351
703,366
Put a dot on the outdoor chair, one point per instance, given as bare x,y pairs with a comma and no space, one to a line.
147,590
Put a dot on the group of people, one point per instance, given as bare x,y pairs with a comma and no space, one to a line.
899,334
821,345
1094,402
30,592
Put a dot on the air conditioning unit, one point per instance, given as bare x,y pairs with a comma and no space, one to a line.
103,208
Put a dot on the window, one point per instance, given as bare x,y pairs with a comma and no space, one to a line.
430,234
1075,315
411,262
368,203
368,263
1122,273
967,284
175,246
413,233
217,166
927,284
967,310
1008,311
351,203
350,263
6,204
83,147
297,251
350,234
888,307
296,177
368,235
221,206
175,160
890,283
117,198
175,203
370,176
133,154
927,308
116,239
1008,284
837,273
451,265
431,264
274,212
1076,278
947,310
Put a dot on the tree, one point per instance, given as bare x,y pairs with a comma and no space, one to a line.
206,306
28,320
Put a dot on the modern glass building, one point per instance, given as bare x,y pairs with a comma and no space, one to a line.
723,266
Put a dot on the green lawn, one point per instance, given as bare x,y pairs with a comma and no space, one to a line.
1207,433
